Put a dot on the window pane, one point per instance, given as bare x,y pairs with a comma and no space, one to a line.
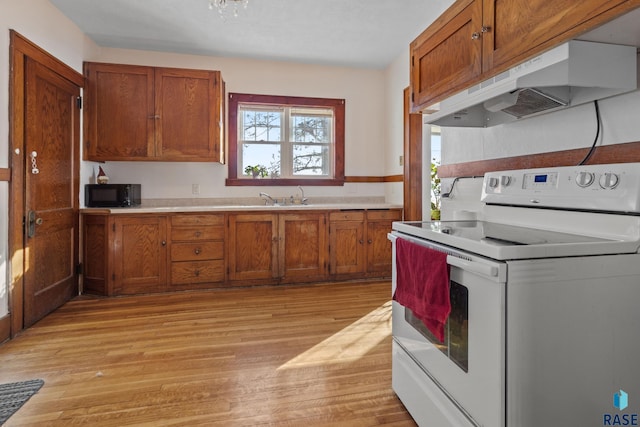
311,126
261,125
311,160
267,155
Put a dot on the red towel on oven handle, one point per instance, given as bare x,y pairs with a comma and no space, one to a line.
423,284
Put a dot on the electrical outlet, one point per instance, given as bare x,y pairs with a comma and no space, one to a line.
195,189
401,160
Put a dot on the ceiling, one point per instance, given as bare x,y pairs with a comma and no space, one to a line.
353,33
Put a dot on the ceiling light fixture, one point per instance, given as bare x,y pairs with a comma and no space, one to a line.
221,6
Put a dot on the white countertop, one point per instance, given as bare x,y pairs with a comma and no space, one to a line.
240,205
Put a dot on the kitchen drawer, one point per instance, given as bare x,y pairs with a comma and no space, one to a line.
347,216
197,272
197,233
394,215
178,220
197,251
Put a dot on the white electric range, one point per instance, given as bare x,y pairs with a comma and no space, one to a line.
544,326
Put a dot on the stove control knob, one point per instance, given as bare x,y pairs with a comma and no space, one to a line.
585,179
493,182
505,180
609,180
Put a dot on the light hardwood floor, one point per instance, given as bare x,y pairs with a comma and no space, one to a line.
313,355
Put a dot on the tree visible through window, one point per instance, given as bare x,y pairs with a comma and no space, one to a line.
285,138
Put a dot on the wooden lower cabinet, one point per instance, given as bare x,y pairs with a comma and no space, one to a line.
347,250
302,243
379,247
253,247
139,263
126,254
358,243
280,247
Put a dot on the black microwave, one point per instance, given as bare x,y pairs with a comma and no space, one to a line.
111,195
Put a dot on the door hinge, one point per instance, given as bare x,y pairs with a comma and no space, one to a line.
79,269
79,102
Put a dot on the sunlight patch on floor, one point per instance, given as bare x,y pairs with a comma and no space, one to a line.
349,344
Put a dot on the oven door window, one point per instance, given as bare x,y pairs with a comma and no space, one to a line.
456,335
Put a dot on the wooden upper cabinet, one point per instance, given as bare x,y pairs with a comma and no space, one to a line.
118,112
474,40
445,55
146,113
188,114
517,27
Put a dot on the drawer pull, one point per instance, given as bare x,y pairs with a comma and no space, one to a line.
197,273
197,251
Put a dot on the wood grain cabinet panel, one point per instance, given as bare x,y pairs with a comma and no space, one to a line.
359,246
446,56
302,246
379,247
347,250
153,114
253,247
474,40
118,112
277,248
516,27
95,250
139,254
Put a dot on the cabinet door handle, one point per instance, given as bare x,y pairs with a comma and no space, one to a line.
164,243
197,273
485,29
369,241
361,241
475,36
198,233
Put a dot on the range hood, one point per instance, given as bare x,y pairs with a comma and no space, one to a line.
571,74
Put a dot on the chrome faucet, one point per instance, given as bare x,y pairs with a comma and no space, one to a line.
269,198
304,200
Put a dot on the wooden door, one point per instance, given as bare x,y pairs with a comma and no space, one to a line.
303,246
253,246
445,55
139,254
188,106
51,191
119,113
517,27
347,250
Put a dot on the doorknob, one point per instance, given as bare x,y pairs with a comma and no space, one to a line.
32,222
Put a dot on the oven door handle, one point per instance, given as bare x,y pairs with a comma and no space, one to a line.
473,266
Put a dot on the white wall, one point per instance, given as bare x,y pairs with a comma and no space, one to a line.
397,79
364,133
43,24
